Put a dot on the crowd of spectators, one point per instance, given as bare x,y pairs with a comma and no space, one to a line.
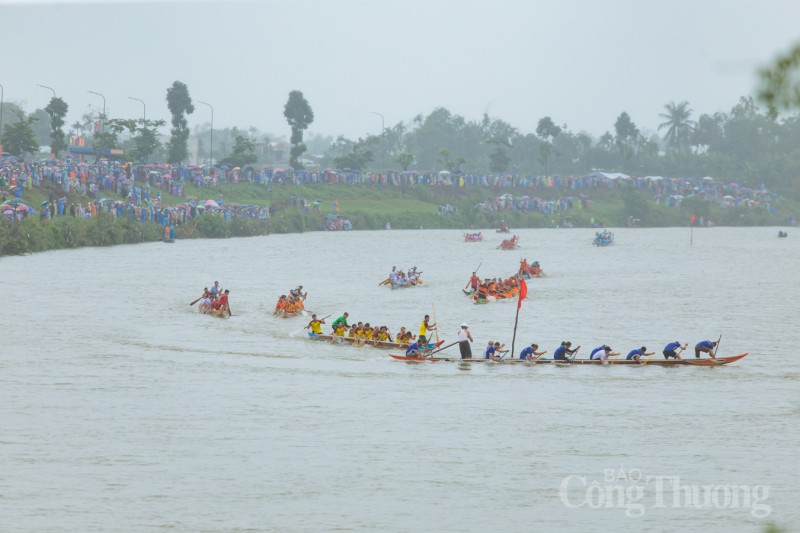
141,187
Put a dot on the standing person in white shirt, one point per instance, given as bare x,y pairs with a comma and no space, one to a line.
464,338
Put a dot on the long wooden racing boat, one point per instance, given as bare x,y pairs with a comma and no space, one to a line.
361,342
656,362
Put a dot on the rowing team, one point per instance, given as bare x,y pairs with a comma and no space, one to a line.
291,304
533,270
398,277
214,299
497,288
565,352
367,332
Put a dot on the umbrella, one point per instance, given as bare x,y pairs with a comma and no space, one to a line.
14,201
8,212
45,202
211,203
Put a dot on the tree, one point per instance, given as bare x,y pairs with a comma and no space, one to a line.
354,155
499,160
627,137
145,135
404,159
780,89
299,116
180,104
547,132
57,109
452,165
19,137
679,126
244,152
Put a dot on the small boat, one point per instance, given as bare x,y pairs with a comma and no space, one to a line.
509,244
604,238
364,342
473,237
782,234
719,361
219,313
284,314
406,285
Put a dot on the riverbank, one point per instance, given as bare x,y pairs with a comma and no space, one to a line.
301,208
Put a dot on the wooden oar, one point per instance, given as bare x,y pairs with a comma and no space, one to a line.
433,308
194,302
384,282
714,355
440,349
542,355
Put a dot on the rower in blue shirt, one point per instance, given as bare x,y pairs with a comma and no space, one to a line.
414,349
529,353
491,351
636,355
706,347
564,350
671,350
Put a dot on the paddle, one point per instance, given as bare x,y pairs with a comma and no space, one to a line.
541,355
433,308
714,355
194,302
440,349
384,282
575,353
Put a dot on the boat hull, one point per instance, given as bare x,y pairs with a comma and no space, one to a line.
374,344
719,361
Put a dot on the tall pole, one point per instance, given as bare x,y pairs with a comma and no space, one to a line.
211,158
144,110
103,120
1,113
144,115
383,127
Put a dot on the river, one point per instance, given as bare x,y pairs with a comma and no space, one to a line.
123,409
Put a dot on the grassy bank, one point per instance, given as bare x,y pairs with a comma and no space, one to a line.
367,207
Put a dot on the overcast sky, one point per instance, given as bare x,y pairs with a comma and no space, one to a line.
582,62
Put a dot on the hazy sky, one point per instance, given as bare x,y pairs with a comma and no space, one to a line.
582,62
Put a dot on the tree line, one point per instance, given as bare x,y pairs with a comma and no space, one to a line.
749,143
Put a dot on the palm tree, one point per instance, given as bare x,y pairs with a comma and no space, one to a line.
678,125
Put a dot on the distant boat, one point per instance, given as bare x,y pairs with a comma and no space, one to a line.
604,238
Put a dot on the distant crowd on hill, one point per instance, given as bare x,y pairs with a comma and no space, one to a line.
141,186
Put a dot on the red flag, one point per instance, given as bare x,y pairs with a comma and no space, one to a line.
691,220
523,292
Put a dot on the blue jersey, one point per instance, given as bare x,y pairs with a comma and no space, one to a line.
489,352
633,353
559,353
412,348
526,352
671,347
707,344
598,349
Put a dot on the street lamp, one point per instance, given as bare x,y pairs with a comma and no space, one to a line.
103,121
144,111
46,87
211,159
1,112
383,128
